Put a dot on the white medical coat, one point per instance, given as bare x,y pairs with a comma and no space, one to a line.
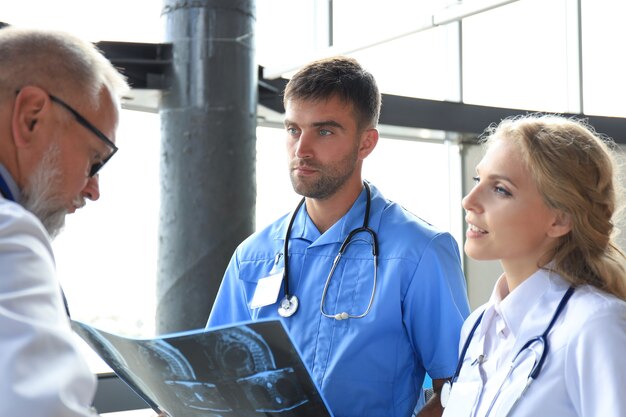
42,372
584,374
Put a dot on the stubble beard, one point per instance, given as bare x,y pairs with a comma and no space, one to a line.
330,179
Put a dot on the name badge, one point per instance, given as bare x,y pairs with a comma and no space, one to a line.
267,290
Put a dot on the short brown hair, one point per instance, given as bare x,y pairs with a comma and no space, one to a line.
341,77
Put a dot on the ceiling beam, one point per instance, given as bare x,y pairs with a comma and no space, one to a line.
147,67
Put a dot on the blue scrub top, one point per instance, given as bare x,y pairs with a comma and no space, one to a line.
373,366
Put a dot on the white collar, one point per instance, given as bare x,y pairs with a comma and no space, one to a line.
513,306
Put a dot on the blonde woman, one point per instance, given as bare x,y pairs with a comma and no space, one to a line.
551,341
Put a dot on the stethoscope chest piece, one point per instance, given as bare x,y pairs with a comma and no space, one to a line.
288,306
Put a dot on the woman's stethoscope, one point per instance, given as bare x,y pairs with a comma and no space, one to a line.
289,304
534,372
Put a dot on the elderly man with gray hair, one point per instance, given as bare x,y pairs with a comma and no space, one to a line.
59,110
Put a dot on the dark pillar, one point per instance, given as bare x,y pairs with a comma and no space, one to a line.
208,154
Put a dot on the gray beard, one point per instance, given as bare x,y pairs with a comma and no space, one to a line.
40,195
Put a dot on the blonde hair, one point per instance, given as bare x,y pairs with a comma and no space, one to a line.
575,170
58,62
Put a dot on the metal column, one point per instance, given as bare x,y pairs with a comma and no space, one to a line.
208,153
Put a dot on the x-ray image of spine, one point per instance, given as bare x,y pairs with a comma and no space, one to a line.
113,354
236,376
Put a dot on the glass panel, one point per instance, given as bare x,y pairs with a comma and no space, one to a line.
366,21
111,20
516,56
413,174
106,256
604,61
415,65
285,31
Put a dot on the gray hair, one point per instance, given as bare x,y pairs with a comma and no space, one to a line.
58,62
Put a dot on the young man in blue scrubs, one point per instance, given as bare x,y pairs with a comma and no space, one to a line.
371,330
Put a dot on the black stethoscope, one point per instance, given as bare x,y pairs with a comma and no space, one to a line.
289,304
536,369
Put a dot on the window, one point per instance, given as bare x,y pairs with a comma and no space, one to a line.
516,56
604,63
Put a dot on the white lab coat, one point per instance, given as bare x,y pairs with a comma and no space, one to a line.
584,374
42,372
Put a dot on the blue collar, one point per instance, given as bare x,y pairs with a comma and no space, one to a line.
8,187
303,227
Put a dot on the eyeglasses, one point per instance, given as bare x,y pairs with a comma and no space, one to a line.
81,120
